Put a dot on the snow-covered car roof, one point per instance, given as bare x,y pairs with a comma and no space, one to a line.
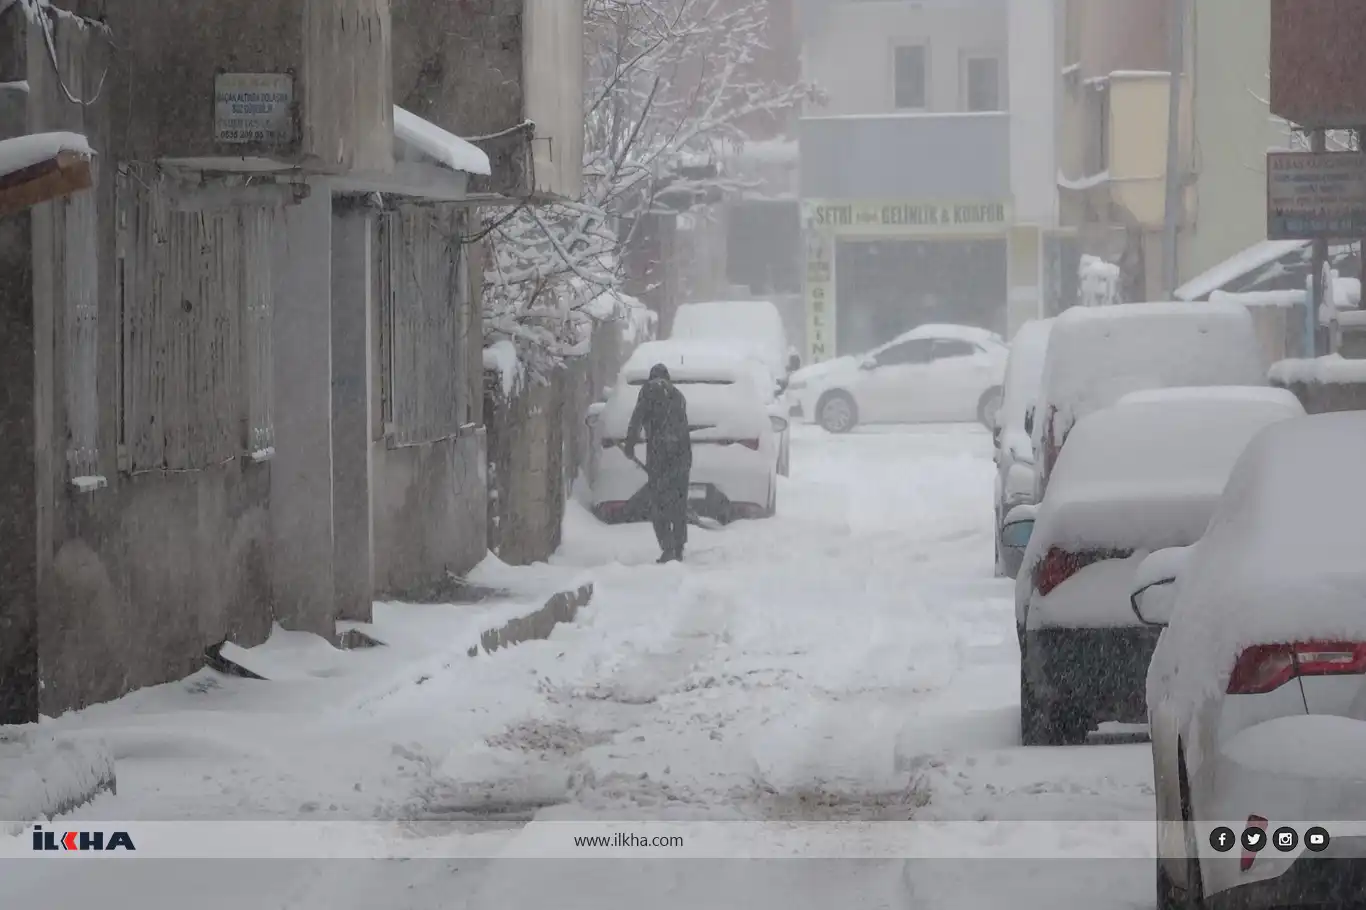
696,361
756,323
1024,372
1148,473
948,330
1216,393
1096,355
1282,558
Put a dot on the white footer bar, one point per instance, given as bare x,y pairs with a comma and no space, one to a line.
1054,840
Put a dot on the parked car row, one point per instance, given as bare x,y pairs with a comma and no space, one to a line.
1189,557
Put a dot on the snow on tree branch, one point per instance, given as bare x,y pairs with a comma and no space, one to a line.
669,83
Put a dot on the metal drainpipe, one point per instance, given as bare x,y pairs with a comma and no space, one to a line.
1319,140
1176,62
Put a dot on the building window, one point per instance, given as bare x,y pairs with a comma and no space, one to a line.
982,84
911,76
196,374
80,323
424,293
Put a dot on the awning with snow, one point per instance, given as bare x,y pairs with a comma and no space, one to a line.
445,148
429,163
42,167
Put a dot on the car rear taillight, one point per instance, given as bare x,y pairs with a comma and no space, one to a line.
1058,565
1249,856
749,443
1265,668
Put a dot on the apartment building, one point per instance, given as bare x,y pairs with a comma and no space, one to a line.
927,178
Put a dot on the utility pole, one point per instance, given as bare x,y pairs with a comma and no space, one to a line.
1318,143
1176,183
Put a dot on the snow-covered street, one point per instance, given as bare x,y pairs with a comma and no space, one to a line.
853,658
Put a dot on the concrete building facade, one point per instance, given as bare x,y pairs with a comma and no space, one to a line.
920,177
244,380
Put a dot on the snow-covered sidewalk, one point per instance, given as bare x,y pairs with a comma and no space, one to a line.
851,659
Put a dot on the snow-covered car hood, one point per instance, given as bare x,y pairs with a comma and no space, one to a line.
826,370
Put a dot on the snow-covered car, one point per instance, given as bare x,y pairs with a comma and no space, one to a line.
1096,355
1014,448
678,355
1257,691
931,373
734,441
1140,476
755,325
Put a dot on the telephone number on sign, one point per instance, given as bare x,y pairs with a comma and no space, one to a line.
247,136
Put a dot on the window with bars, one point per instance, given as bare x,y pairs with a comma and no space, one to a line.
76,227
196,296
424,293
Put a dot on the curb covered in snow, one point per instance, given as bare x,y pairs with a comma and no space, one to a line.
42,777
562,606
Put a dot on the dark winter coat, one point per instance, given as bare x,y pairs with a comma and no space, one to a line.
661,413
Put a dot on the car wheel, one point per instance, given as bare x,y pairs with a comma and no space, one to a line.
837,412
1192,897
1046,722
988,405
1000,569
1031,712
1169,897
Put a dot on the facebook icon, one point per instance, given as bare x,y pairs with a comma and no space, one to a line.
1222,839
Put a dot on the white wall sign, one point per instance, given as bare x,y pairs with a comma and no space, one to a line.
1312,195
254,108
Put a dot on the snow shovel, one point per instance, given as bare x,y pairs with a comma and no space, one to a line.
710,524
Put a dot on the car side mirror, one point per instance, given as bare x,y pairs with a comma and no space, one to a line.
779,424
1153,590
1018,527
1029,421
869,363
794,363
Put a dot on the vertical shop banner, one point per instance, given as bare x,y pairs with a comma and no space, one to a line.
820,297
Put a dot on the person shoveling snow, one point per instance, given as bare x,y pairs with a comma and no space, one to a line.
661,412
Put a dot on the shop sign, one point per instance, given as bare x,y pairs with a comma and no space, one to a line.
820,298
902,217
1315,195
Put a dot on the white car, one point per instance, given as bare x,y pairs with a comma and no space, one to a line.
1096,355
931,373
755,325
734,441
1257,690
1140,476
683,354
1011,433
